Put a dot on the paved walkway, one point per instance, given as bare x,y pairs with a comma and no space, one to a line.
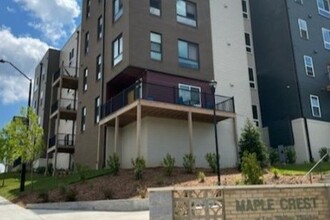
9,211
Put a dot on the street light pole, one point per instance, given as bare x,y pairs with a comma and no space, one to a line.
213,85
22,184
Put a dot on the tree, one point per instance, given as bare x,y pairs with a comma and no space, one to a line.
25,137
251,142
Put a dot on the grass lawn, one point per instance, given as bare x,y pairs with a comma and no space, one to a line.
301,169
41,183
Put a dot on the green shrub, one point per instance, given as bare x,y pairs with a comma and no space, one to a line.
81,170
251,169
168,164
40,170
275,172
43,196
251,142
189,163
62,188
71,195
211,159
290,154
113,164
323,151
201,177
139,165
108,193
50,169
274,158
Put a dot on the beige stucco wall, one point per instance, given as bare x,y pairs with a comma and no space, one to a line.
319,133
300,140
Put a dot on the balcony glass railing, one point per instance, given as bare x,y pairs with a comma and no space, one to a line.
69,104
62,140
172,95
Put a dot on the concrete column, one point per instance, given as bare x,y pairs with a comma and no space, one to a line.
190,128
161,205
97,165
116,139
138,129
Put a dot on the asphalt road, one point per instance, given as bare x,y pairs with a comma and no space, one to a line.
9,211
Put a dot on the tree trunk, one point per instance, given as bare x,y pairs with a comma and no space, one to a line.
31,177
4,176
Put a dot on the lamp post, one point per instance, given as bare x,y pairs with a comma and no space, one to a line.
213,85
22,184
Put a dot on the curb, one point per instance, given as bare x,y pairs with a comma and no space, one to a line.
120,205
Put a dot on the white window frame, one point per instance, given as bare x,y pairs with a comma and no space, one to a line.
154,54
184,17
185,88
326,38
308,59
85,79
83,118
248,42
117,50
317,105
98,67
100,27
188,62
97,109
245,13
154,10
87,42
117,9
255,119
252,82
324,7
303,28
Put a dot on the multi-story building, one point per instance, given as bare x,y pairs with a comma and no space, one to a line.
292,44
55,101
145,68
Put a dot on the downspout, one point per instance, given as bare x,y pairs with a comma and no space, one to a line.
39,86
311,159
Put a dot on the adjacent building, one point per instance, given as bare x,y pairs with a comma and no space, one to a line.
292,47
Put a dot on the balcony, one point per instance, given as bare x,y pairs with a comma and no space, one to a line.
168,102
65,77
63,142
66,108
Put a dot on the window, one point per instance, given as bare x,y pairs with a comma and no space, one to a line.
85,79
326,38
255,115
88,8
303,28
117,9
117,50
83,119
324,7
97,110
98,67
309,67
155,7
189,95
315,105
86,42
245,9
99,27
188,54
251,78
248,42
155,46
299,1
186,12
41,98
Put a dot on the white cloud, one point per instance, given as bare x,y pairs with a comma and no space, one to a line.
23,52
11,10
55,18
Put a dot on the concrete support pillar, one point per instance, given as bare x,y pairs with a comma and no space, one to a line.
116,139
190,128
138,129
97,165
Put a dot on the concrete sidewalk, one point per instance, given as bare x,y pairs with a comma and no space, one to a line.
10,211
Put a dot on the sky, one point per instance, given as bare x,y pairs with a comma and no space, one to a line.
27,29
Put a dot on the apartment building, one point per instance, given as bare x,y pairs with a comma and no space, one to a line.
145,68
55,101
292,46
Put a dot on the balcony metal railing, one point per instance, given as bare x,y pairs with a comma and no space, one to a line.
62,140
69,104
172,95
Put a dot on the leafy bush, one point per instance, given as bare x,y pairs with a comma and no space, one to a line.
81,170
43,196
201,177
108,193
168,164
40,170
139,165
113,164
142,191
290,154
211,159
50,169
189,163
62,188
275,172
251,169
274,158
323,151
71,195
250,141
